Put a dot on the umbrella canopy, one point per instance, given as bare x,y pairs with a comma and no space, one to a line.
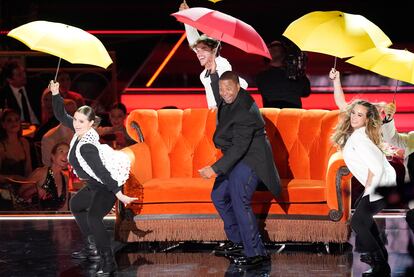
225,28
392,63
335,33
69,43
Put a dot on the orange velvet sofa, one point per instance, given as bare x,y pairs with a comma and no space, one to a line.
174,202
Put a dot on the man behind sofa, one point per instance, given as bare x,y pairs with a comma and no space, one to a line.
247,160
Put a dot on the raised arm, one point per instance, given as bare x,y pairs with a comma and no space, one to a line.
192,33
214,82
339,96
59,107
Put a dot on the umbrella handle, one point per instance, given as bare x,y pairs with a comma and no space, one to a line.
395,92
57,70
334,64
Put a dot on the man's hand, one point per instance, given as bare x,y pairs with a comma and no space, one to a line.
389,110
54,87
207,172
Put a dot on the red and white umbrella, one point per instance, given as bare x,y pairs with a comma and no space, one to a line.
224,27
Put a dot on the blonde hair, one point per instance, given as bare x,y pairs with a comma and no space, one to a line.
344,129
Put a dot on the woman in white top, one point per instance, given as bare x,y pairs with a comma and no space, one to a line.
390,135
358,134
207,50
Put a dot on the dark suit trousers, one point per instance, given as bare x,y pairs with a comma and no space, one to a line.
231,195
89,206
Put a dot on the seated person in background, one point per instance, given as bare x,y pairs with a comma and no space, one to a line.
18,95
64,89
15,156
14,149
116,135
48,120
46,104
280,87
57,134
51,182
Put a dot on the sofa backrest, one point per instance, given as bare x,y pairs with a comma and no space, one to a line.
301,141
180,141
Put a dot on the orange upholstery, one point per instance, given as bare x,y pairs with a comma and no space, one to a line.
315,181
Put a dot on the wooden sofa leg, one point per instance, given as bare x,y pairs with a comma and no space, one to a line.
336,215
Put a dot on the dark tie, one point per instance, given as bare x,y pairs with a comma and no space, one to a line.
26,114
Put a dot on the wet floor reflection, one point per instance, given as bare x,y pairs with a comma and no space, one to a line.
43,247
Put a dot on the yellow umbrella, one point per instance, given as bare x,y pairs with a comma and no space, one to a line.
335,33
67,42
388,62
392,63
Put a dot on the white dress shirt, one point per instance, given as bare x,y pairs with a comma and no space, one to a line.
18,96
360,155
222,65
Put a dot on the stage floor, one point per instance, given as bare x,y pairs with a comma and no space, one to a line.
42,247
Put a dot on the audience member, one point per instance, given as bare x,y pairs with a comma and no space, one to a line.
15,95
65,83
116,135
48,120
57,134
15,159
14,149
51,182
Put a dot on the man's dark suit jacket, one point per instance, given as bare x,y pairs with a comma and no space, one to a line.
240,135
7,99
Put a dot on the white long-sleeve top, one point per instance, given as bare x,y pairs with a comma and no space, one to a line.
222,65
403,141
360,155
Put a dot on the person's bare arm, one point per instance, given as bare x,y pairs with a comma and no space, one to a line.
339,96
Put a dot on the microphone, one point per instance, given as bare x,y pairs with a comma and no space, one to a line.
207,73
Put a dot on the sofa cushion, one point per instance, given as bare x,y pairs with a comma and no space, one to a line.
178,190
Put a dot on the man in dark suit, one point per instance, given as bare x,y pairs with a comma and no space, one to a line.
247,160
14,94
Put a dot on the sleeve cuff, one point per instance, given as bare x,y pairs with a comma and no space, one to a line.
216,170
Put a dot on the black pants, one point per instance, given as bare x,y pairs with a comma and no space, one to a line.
89,206
363,223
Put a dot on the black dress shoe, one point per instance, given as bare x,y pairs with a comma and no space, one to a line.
228,248
249,262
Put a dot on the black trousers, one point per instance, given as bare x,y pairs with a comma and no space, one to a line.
363,223
89,206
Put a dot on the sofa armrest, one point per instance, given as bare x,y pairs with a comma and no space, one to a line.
141,171
141,163
338,188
